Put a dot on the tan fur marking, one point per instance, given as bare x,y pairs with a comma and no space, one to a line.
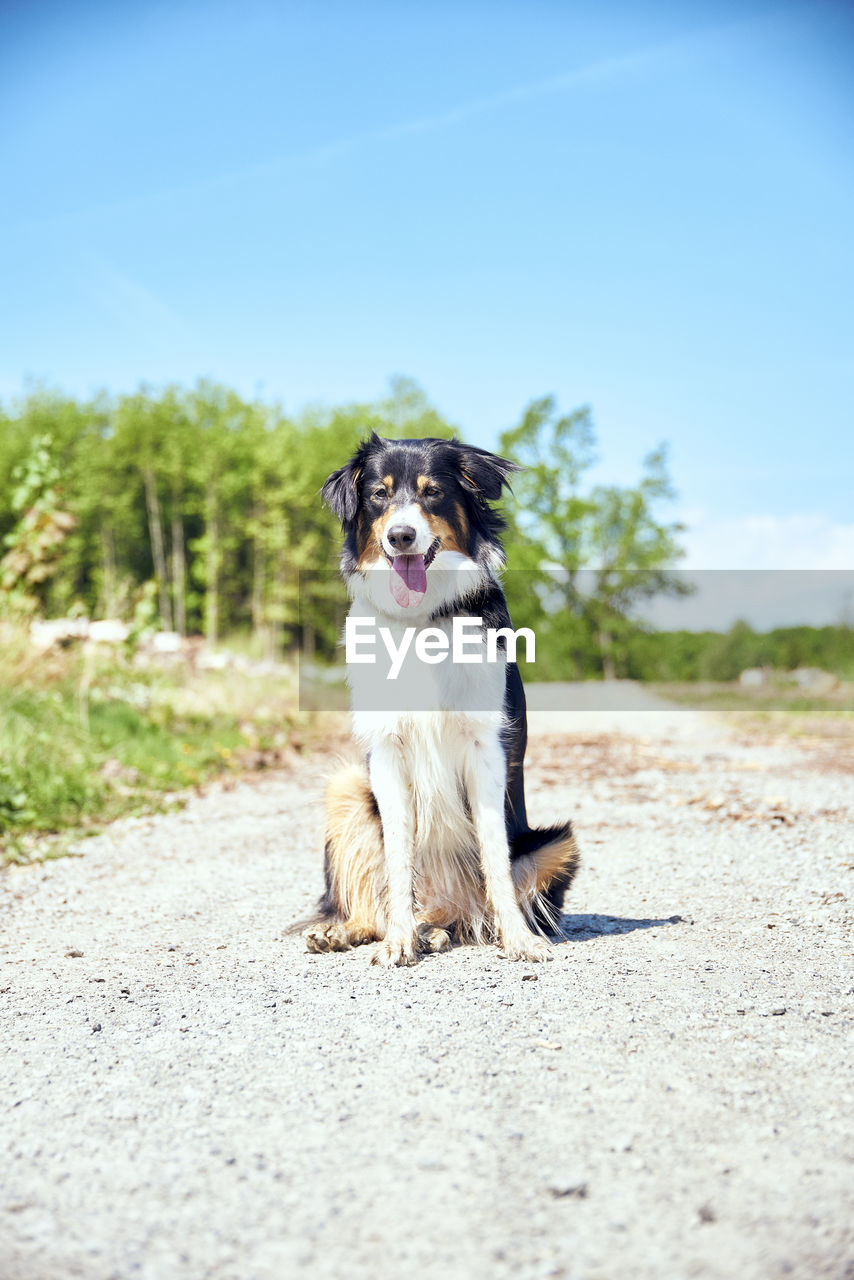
463,521
442,530
357,866
355,842
372,549
388,481
423,481
373,546
378,526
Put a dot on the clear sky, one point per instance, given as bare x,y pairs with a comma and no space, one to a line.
647,207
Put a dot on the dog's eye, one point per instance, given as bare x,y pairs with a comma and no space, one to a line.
432,491
380,494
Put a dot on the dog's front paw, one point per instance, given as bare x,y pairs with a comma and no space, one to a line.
396,949
526,946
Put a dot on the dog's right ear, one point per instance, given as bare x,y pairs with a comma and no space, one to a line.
340,492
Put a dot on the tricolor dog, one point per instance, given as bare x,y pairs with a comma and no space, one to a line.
428,841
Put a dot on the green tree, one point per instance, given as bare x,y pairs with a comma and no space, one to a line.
588,555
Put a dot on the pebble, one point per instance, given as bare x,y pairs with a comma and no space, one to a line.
569,1190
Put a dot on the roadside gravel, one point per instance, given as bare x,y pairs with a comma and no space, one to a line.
186,1093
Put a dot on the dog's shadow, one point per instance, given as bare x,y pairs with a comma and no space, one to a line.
581,928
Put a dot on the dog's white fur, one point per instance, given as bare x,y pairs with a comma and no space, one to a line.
424,761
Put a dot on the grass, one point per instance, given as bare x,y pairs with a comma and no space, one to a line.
776,708
85,741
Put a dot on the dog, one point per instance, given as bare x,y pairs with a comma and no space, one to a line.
428,841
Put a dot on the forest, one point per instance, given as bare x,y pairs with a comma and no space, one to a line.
197,511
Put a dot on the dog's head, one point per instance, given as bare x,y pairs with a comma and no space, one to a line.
408,505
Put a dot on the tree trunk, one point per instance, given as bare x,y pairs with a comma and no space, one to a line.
257,602
212,557
277,611
608,669
158,554
108,557
308,643
179,577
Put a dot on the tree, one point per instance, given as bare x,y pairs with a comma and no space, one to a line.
588,555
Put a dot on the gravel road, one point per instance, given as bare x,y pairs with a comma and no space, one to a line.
188,1094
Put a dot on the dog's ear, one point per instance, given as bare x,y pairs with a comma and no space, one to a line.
340,492
484,473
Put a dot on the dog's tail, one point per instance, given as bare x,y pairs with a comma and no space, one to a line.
544,861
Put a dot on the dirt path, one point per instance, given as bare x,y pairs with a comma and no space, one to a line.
186,1094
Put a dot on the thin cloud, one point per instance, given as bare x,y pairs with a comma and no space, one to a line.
133,304
596,73
799,541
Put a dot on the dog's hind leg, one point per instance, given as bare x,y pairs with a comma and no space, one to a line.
432,938
352,910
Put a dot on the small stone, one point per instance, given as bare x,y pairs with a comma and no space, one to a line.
778,1011
96,1027
529,977
569,1190
73,954
706,1213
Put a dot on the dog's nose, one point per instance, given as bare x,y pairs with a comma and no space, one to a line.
401,537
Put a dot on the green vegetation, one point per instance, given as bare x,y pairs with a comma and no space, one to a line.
712,656
83,744
197,511
709,655
196,502
588,555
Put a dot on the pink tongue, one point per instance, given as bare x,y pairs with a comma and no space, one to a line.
408,580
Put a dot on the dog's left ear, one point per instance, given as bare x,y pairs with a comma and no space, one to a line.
484,473
340,492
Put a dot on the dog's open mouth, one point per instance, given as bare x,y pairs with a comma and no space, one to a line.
409,576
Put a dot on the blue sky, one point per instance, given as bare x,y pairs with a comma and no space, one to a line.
644,207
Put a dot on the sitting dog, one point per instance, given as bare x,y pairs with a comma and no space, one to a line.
429,841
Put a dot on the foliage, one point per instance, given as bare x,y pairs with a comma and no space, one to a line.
711,656
193,509
198,510
78,749
35,542
590,554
